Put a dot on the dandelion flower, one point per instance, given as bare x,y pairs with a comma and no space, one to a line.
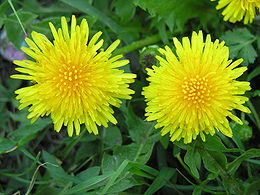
237,10
72,80
193,92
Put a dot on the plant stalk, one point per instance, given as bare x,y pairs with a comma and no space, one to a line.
140,44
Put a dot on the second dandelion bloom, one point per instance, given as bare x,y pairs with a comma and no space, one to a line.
194,91
73,79
238,10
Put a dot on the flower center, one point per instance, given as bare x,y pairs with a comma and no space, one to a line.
69,79
196,90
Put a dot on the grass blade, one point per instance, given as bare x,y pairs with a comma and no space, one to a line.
116,174
15,13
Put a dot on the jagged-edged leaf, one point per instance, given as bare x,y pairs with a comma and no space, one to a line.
239,41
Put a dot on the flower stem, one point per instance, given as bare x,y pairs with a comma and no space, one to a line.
139,44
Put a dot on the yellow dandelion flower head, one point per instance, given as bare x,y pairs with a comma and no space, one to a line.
73,80
194,91
237,10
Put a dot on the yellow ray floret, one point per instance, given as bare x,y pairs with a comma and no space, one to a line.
194,91
73,81
238,10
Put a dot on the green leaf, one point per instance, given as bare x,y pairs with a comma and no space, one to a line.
137,127
53,9
87,141
13,29
12,85
29,155
181,145
6,145
197,191
139,172
142,133
28,132
112,136
90,172
172,12
56,171
164,176
135,152
161,156
191,158
4,92
165,142
2,13
126,152
162,32
214,143
132,152
251,153
26,171
144,167
253,187
210,160
85,7
254,73
50,190
42,26
20,116
88,184
124,184
81,153
109,163
258,41
239,41
256,93
115,175
3,115
243,132
125,9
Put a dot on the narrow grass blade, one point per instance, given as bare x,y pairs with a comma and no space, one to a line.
15,13
116,174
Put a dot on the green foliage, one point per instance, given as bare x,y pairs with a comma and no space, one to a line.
6,145
256,93
193,159
124,9
254,73
14,32
172,12
239,41
2,13
165,174
251,153
132,157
